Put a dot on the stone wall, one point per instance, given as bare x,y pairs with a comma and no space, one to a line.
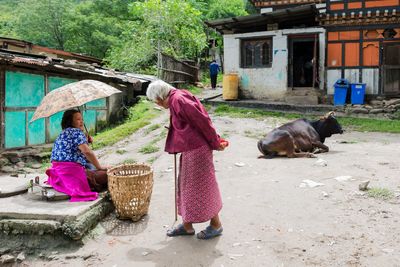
26,160
389,109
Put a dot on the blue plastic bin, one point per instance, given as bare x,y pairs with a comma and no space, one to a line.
341,86
357,93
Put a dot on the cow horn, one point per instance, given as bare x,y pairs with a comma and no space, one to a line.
329,114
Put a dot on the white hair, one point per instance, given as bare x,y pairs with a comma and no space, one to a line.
158,89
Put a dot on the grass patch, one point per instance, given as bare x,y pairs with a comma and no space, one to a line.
356,124
152,147
206,80
163,134
128,161
225,134
151,160
152,128
193,89
139,116
121,151
370,125
380,193
253,134
208,107
226,110
149,148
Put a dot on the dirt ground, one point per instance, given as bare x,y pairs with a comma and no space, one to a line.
271,217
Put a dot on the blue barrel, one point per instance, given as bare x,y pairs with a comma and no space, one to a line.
341,86
357,93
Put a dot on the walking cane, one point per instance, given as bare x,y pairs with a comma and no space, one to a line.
176,183
176,187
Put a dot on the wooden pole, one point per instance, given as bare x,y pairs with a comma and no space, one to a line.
314,61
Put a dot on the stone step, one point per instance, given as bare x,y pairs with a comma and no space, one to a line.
303,92
302,100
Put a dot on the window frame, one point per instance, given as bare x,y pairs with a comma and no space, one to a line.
262,41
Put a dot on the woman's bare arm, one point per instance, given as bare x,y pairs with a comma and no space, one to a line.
89,154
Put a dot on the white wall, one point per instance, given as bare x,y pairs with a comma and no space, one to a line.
369,76
270,82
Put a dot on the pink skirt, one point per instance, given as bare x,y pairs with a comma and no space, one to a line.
70,178
198,196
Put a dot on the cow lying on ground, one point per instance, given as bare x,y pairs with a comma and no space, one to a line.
300,138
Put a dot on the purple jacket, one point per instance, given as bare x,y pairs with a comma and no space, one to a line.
190,125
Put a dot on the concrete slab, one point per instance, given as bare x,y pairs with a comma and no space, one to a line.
10,186
32,206
29,217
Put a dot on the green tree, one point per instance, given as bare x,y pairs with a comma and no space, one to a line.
44,21
95,26
172,25
7,18
218,9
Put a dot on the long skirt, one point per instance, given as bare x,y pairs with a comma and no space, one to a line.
198,196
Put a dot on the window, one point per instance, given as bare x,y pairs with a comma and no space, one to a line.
389,33
256,53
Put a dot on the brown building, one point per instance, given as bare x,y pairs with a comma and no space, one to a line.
363,44
309,45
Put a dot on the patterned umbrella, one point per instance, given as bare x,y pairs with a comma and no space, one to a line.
72,95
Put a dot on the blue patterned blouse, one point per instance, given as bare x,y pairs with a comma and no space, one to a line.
65,147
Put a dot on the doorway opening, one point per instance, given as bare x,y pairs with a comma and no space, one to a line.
303,62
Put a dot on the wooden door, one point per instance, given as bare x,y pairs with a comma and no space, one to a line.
391,69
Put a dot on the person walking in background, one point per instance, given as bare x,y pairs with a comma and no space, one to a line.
192,134
214,69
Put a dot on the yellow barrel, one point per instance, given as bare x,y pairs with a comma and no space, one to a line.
230,86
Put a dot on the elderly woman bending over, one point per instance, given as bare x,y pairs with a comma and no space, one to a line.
70,158
192,134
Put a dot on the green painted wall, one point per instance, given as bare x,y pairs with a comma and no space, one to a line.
14,129
36,131
23,89
55,120
89,117
99,103
24,92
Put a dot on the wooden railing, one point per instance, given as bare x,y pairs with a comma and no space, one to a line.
178,72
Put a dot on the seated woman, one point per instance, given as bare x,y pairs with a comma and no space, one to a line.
70,157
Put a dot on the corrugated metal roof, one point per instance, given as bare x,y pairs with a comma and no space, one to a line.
23,59
259,22
29,61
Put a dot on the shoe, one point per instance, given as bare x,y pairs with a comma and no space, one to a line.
209,233
179,230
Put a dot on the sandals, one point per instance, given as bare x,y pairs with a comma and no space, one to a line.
179,230
209,233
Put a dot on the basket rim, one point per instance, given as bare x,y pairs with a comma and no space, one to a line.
111,170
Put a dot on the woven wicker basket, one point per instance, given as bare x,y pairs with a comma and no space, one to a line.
130,186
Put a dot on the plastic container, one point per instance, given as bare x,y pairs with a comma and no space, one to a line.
357,93
230,86
341,86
